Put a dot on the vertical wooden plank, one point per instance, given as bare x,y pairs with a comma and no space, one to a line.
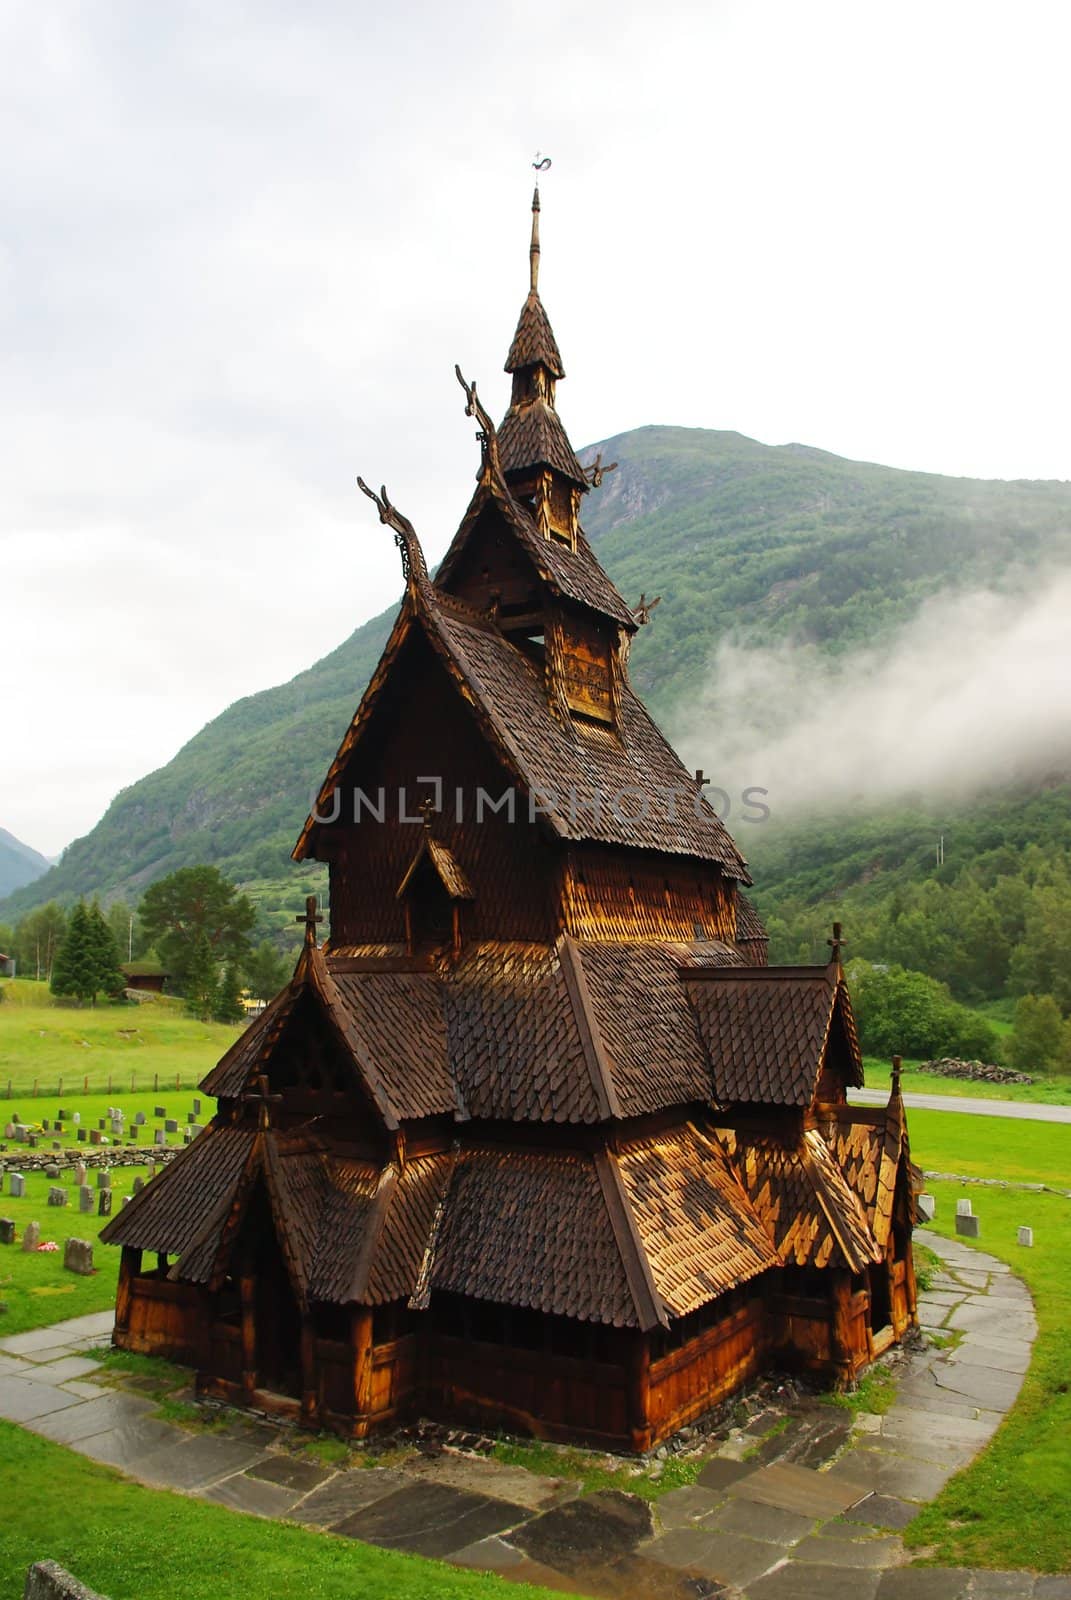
639,1393
309,1375
841,1323
129,1267
361,1339
248,1291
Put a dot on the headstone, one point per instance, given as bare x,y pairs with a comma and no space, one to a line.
127,1199
139,1119
46,1126
968,1227
31,1140
20,1133
159,1111
964,1209
62,1115
31,1236
161,1136
9,1130
102,1123
187,1135
7,1231
81,1136
57,1196
104,1203
132,1136
196,1106
139,1184
170,1125
79,1172
104,1178
17,1186
85,1197
76,1118
56,1145
94,1136
150,1170
1026,1237
52,1171
117,1127
196,1129
78,1257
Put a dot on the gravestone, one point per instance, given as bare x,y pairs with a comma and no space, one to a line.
76,1118
31,1236
170,1125
196,1129
57,1196
968,1227
79,1172
94,1135
139,1184
139,1119
78,1257
127,1199
62,1115
132,1136
9,1130
159,1111
31,1140
196,1106
85,1197
56,1145
186,1135
52,1171
102,1123
20,1133
160,1136
7,1231
964,1209
104,1178
117,1127
104,1203
150,1170
81,1135
17,1186
1026,1237
46,1126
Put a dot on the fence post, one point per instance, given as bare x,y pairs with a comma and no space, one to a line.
85,1084
156,1083
59,1091
177,1084
109,1083
131,1080
35,1088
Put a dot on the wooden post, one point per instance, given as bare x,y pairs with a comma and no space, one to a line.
361,1339
161,1263
129,1267
309,1382
639,1393
840,1324
248,1289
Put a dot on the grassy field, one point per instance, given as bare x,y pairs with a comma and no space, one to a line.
1052,1090
1009,1509
992,1147
126,1045
132,1543
34,1287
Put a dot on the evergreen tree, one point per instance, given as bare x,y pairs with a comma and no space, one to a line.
266,971
74,971
202,979
228,1006
109,975
192,904
1038,1040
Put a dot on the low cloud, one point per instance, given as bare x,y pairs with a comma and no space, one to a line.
972,692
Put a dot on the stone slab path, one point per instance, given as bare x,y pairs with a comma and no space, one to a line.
784,1509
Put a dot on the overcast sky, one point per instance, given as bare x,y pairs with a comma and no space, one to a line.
242,246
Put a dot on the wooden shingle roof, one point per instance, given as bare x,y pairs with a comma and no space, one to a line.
766,1030
534,343
532,435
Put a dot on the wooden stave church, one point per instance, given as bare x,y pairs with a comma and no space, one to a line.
536,1139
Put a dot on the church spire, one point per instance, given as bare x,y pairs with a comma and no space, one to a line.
533,249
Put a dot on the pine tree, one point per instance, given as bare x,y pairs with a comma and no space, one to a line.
109,974
74,971
202,979
228,1006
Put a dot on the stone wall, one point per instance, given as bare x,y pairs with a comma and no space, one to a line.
47,1580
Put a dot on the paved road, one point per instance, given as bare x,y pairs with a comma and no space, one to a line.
1024,1109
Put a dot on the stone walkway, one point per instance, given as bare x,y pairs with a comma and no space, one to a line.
787,1508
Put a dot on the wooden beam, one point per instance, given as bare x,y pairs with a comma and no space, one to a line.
248,1292
129,1267
361,1338
309,1376
639,1393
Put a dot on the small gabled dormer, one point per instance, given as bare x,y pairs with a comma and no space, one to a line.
433,892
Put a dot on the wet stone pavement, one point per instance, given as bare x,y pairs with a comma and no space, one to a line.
793,1505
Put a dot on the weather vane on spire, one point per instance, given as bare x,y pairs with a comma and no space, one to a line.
541,164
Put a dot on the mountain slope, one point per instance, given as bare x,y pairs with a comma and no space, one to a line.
19,864
740,539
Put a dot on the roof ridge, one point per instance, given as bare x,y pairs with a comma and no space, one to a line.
650,1307
572,967
831,1206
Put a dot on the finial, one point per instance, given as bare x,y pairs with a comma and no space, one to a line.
533,253
596,470
310,919
488,433
642,612
414,567
895,1076
427,810
263,1100
836,944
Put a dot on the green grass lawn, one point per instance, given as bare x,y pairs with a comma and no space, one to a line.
1051,1090
1009,1509
127,1044
133,1543
34,1287
991,1147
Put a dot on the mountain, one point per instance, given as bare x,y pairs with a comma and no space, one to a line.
19,864
742,541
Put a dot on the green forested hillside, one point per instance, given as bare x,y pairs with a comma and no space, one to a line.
740,539
19,864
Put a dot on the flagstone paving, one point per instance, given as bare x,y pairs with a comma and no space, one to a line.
786,1508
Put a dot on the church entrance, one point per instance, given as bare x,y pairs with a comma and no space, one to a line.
277,1317
880,1301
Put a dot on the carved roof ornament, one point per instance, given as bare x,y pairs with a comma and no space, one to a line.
310,917
487,434
414,566
642,611
836,944
596,470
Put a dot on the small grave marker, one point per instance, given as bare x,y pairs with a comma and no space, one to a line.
104,1203
57,1196
7,1230
1026,1238
171,1125
964,1208
17,1186
31,1237
968,1227
78,1257
85,1197
104,1178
